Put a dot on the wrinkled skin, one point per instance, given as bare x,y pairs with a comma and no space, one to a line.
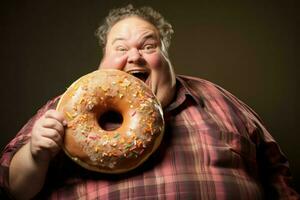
133,45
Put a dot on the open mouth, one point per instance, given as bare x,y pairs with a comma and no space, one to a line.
142,75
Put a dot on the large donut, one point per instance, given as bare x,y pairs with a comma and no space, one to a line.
111,151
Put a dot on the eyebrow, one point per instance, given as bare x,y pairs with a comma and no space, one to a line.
149,36
117,39
146,37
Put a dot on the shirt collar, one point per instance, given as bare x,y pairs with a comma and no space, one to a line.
183,91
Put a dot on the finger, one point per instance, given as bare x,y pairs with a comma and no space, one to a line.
45,143
52,134
50,145
56,115
53,124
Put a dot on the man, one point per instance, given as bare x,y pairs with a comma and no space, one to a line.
215,147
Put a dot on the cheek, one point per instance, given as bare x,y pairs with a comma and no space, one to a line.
113,62
155,61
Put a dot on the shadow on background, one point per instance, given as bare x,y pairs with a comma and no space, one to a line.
247,48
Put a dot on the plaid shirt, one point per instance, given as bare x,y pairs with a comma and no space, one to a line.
214,147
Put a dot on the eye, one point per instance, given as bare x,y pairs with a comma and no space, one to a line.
121,48
149,48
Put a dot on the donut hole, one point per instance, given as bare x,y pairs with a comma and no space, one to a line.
110,120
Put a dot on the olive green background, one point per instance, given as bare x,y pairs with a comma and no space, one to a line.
247,47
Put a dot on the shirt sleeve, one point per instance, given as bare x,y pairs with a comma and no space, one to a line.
20,139
273,165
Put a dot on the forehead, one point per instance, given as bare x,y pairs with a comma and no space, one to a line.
131,27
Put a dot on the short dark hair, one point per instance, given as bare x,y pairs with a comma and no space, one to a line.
147,13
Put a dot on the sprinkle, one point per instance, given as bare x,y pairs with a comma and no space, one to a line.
133,113
130,154
139,143
105,137
133,136
122,140
81,100
76,87
104,154
96,149
90,105
93,137
125,83
69,115
128,146
104,88
115,154
141,151
84,133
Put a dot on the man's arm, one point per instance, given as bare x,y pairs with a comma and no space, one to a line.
26,175
272,163
29,165
274,169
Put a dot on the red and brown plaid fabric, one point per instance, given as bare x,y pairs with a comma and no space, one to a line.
214,147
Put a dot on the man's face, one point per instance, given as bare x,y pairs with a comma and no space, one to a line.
134,46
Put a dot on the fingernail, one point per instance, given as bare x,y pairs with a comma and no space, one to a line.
65,123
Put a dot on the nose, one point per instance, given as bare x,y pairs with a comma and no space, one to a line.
134,56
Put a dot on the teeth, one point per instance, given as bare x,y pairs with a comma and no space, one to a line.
137,72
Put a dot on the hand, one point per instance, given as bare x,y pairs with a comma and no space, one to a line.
47,136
